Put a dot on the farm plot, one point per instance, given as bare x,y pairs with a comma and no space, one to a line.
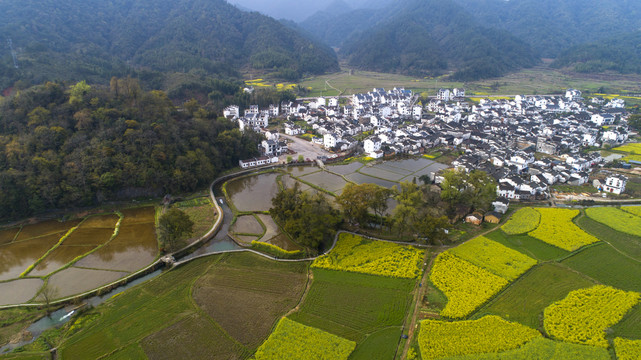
302,170
626,243
556,228
584,315
376,172
246,294
498,259
412,165
606,265
522,221
466,285
291,340
617,219
75,281
356,254
19,291
7,236
627,349
528,245
59,258
629,148
324,180
45,228
289,182
542,348
490,334
345,169
253,193
247,224
201,212
17,257
525,300
359,178
635,210
630,326
352,305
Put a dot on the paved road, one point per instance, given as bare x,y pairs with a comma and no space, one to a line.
303,147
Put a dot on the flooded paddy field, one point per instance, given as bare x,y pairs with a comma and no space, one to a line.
253,193
325,180
75,256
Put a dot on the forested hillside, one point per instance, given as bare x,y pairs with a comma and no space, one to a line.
95,40
430,37
621,54
81,146
553,26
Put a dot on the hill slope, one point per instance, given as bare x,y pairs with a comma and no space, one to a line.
429,37
94,40
552,26
621,54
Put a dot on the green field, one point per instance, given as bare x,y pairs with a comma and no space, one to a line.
630,326
536,80
617,219
528,245
525,299
218,307
353,306
629,244
606,265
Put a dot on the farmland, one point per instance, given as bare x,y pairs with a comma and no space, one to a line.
177,315
75,256
525,300
356,254
522,221
357,307
556,228
617,219
487,335
584,315
528,245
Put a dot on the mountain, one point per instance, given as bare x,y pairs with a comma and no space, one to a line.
431,37
94,40
620,53
553,26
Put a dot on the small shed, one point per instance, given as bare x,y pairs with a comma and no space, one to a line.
475,218
493,217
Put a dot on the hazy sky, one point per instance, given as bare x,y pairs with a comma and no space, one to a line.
296,10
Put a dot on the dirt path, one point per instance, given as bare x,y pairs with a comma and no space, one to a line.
417,304
310,280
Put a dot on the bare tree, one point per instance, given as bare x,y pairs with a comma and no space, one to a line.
47,294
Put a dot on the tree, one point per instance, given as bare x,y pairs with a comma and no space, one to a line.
635,121
432,229
47,294
78,92
173,225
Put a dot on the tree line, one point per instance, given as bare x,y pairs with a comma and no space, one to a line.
63,147
421,212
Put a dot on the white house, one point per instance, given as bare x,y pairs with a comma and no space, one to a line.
603,119
573,95
615,184
273,110
330,140
458,93
443,94
232,111
372,144
332,102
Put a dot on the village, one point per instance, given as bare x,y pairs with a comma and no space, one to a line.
527,143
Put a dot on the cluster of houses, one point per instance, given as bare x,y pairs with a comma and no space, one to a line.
499,136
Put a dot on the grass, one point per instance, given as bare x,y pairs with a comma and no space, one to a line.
630,326
525,300
353,305
379,345
13,320
575,189
218,307
606,265
528,245
617,219
629,244
133,351
201,212
26,356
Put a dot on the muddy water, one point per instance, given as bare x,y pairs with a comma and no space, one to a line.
19,291
59,258
7,236
75,281
17,257
45,228
253,193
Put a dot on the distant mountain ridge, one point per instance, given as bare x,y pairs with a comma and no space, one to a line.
94,40
430,37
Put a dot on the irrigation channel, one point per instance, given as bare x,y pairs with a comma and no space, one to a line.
215,242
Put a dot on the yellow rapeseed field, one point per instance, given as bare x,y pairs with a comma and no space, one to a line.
522,221
489,334
556,228
627,349
584,314
499,259
466,285
356,254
